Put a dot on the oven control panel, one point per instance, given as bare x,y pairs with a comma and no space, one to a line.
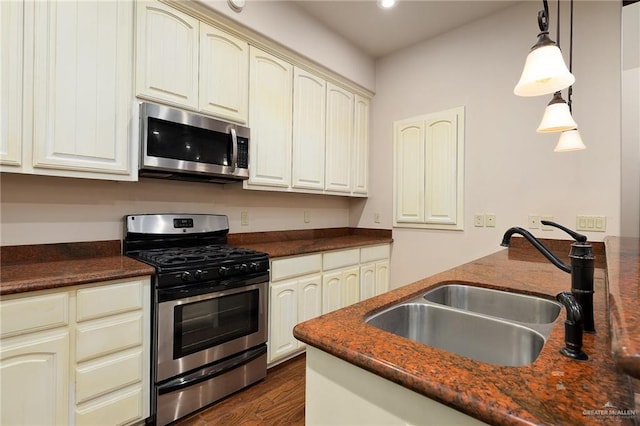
213,273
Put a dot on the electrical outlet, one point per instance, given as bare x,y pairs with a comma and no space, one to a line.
376,217
490,220
546,227
534,221
244,218
478,220
307,217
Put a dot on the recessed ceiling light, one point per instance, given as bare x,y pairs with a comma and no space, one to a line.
386,4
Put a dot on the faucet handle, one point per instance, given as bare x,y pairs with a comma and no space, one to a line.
572,327
578,237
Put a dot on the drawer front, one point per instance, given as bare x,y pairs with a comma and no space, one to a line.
33,313
98,302
107,375
369,254
295,266
117,409
101,338
340,259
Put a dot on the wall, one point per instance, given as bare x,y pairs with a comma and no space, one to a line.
630,203
510,170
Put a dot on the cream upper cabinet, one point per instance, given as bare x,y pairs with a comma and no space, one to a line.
309,112
270,120
338,166
167,55
361,145
11,71
224,75
429,170
83,64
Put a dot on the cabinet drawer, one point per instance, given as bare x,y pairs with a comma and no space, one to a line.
295,266
104,337
340,259
369,254
117,409
33,313
107,375
98,302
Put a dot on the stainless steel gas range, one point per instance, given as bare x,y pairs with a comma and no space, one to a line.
209,310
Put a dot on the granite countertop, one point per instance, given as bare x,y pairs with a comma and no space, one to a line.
552,390
48,266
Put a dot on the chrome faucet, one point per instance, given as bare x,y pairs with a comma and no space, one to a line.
581,268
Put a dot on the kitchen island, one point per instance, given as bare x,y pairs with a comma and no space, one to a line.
552,390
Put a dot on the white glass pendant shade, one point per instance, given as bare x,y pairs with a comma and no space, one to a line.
557,116
544,72
570,140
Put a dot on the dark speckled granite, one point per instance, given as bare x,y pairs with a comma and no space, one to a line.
552,390
289,243
47,266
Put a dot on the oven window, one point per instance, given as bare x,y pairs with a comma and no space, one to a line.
211,322
183,142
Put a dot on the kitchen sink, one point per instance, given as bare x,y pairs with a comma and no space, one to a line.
510,306
492,326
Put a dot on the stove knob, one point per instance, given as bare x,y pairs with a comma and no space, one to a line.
185,276
198,274
223,271
244,268
253,267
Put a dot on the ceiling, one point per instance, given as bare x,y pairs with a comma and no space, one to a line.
378,32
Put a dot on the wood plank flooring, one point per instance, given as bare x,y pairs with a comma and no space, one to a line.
277,400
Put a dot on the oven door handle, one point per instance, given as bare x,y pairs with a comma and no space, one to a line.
234,152
211,371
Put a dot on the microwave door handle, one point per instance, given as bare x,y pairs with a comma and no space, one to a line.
234,152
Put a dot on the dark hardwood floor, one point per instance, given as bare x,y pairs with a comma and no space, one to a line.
277,400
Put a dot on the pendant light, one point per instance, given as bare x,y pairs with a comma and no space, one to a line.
544,71
557,116
570,140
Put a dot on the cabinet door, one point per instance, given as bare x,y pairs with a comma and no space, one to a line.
35,376
339,139
350,286
361,146
309,298
409,171
382,277
11,44
167,55
331,291
270,110
283,316
309,111
367,281
83,53
224,74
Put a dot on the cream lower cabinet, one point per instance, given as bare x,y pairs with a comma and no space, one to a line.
78,356
307,286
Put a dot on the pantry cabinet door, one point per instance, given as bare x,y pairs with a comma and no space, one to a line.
339,139
11,45
409,171
83,66
309,112
270,112
224,74
166,55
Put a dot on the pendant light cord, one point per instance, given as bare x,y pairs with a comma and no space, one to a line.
570,54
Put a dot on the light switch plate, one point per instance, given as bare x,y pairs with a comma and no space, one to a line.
490,220
478,220
546,227
591,223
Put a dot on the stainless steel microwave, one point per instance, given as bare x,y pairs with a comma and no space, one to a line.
176,144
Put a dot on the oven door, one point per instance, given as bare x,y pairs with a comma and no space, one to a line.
198,330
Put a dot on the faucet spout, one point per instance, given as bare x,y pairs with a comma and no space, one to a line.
506,239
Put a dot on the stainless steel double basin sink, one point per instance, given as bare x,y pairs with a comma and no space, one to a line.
491,326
